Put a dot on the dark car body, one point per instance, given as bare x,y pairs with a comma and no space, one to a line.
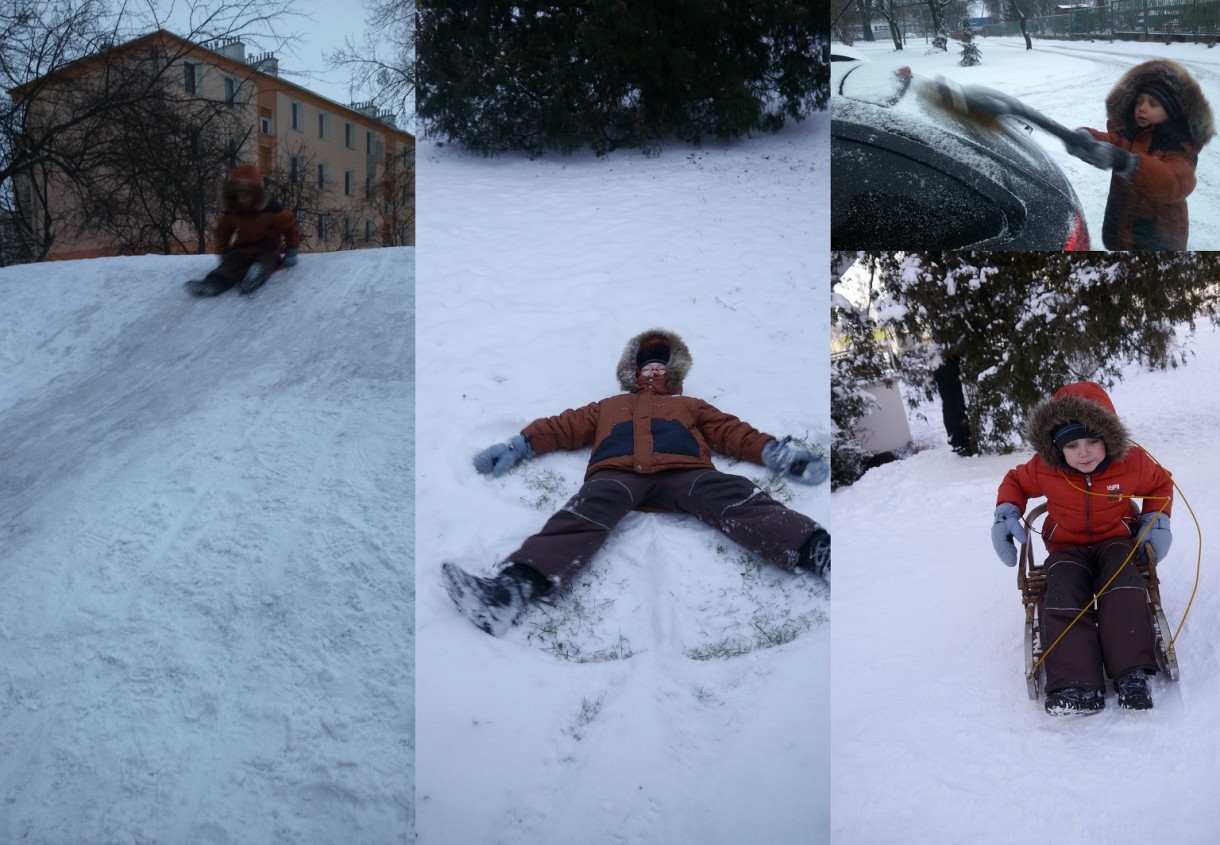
907,173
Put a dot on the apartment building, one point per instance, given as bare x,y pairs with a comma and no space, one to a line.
347,171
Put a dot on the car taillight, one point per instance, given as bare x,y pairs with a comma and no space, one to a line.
1078,237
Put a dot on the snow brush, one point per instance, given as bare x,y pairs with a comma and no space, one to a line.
985,106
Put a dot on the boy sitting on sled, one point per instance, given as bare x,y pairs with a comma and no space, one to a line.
1089,471
249,234
651,449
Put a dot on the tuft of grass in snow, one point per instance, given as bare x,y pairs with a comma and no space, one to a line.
549,487
589,709
560,626
759,614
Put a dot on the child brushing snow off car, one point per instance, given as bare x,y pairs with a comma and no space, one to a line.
1089,471
1157,121
651,450
251,229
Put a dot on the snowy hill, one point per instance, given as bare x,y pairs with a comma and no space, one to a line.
935,738
206,569
678,692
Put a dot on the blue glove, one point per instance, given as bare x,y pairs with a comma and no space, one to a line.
290,257
502,457
1007,525
801,464
1158,535
1104,156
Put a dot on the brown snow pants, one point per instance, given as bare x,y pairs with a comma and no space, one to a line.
1120,637
728,503
234,263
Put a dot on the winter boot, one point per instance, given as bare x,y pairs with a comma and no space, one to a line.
255,276
815,554
494,604
1132,689
209,286
1074,701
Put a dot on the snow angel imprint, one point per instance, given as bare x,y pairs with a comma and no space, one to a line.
651,449
1157,121
1089,471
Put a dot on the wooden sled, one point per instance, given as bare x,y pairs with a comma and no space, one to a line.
1031,581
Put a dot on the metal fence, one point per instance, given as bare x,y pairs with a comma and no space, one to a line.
1193,19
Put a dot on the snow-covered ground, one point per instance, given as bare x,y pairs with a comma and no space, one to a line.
206,560
657,701
934,736
1068,81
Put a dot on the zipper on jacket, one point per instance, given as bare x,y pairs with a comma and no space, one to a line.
1088,507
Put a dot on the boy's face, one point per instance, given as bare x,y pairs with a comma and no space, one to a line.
244,197
652,370
1149,111
1085,454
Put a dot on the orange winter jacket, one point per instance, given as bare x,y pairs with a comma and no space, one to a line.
648,431
265,221
1077,518
1148,211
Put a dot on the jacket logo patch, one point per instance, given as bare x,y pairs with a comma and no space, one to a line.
1115,491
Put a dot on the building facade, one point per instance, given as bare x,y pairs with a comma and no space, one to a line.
346,171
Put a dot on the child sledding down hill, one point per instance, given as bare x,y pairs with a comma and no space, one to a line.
1157,121
249,234
1089,471
652,450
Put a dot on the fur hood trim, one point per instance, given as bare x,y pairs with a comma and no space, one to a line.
679,360
1197,120
245,176
1083,402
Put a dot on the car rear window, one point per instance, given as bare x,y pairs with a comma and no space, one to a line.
884,200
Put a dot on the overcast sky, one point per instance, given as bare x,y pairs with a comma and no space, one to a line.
323,26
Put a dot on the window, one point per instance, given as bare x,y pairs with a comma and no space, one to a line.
322,177
266,126
370,187
349,134
230,91
323,125
349,179
368,142
296,115
324,227
296,172
349,230
192,73
369,230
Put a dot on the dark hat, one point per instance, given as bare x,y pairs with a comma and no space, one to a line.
655,350
1073,430
1164,96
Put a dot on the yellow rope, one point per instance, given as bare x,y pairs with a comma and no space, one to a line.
1166,501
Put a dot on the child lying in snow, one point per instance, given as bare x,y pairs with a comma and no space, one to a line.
651,449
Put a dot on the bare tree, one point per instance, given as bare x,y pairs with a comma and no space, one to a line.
384,65
70,90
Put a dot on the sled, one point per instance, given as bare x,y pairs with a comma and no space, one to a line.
1031,581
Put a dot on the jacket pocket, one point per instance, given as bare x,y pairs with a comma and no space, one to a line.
670,437
620,441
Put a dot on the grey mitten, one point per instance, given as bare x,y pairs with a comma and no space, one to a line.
788,458
290,257
1158,535
1104,156
1006,526
502,457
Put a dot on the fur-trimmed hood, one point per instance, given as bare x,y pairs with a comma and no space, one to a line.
679,360
1083,402
244,176
1197,123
